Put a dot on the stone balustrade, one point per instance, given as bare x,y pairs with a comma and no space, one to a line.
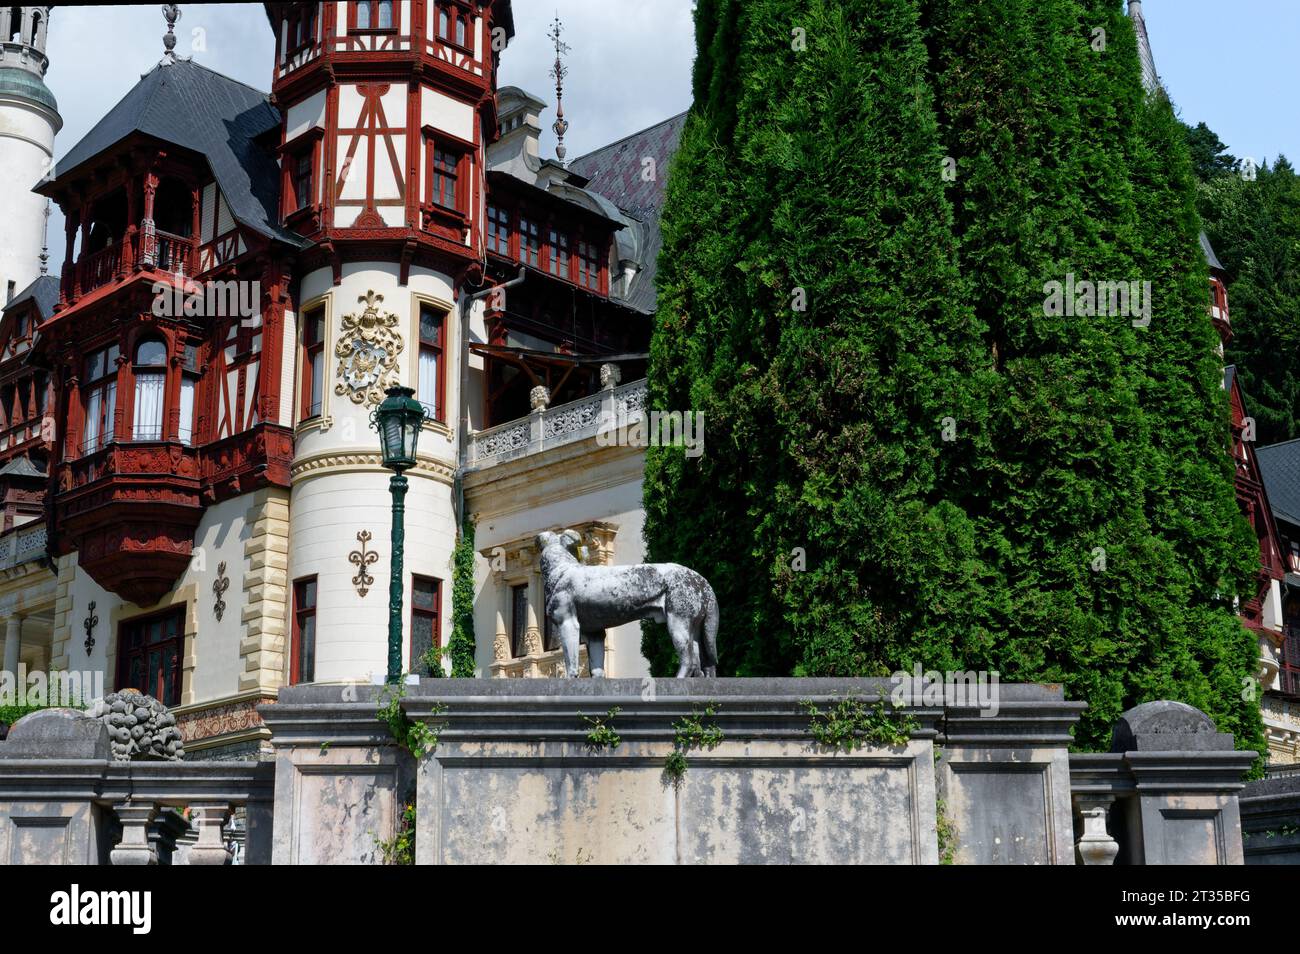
63,800
553,426
582,770
22,544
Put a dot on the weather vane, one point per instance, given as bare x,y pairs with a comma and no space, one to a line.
558,72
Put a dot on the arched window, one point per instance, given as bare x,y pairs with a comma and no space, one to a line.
36,26
363,15
150,386
15,24
385,14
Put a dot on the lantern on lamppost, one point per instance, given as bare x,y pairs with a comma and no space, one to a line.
399,420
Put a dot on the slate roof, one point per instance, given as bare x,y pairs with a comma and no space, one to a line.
45,291
1210,258
1279,467
200,109
21,467
614,171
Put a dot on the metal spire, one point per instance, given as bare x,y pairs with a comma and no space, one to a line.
558,72
45,241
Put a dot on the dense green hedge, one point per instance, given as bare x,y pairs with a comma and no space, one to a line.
924,465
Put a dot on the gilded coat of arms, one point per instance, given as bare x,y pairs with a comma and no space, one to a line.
367,351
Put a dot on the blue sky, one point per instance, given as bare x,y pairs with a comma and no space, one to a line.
1233,63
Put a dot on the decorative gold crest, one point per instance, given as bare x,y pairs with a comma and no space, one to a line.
367,351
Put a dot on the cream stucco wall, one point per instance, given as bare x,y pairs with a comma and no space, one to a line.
563,487
340,487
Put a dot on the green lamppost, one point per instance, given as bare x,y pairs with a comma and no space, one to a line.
399,420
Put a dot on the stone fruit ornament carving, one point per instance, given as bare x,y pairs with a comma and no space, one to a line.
139,727
367,351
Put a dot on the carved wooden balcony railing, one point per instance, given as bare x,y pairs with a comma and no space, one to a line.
171,253
100,268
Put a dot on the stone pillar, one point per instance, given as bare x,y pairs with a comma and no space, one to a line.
13,643
340,779
1095,846
1185,779
51,774
1005,775
501,639
533,632
210,820
540,399
136,847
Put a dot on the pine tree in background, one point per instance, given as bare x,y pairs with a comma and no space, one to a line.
1210,156
1254,226
820,506
1190,490
1079,525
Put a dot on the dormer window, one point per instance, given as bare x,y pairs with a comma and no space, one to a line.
559,254
530,242
588,265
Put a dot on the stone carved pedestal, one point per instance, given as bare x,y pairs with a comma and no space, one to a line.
1095,846
136,847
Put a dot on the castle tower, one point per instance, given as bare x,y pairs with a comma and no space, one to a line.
29,120
388,107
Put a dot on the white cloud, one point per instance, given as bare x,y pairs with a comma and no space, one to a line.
629,67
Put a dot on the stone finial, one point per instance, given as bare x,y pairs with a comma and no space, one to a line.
171,13
56,733
540,398
610,376
139,727
1167,726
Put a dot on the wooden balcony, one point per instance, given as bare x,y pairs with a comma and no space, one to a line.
163,251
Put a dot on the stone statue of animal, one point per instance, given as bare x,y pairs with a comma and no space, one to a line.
587,600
